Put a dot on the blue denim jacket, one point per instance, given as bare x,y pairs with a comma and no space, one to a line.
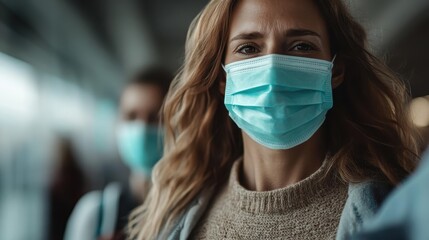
363,201
405,213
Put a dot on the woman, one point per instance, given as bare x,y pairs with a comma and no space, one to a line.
312,132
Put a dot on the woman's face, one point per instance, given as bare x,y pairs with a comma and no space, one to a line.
288,27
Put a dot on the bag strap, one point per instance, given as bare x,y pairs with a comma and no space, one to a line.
108,210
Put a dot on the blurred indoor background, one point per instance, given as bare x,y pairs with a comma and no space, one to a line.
62,67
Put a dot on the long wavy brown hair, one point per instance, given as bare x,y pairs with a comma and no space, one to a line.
369,134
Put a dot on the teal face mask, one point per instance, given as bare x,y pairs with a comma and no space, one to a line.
140,146
279,101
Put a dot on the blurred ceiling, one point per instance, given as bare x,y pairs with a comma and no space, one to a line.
97,42
141,32
108,38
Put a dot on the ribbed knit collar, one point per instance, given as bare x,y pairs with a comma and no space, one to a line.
281,200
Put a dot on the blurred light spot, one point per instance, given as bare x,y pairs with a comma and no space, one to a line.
420,111
67,106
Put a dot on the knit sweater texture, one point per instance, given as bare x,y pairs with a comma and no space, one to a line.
309,209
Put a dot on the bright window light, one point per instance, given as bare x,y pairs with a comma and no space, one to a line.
66,106
18,94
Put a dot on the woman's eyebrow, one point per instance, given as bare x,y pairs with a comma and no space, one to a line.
247,36
299,32
294,32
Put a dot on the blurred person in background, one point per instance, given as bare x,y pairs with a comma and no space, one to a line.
67,186
280,125
104,214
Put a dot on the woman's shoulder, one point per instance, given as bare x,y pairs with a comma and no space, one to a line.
83,220
369,194
363,201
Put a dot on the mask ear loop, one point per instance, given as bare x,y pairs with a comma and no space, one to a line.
333,59
223,66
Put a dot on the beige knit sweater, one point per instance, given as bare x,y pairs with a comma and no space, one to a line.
309,209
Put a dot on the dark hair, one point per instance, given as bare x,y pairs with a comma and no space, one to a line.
153,76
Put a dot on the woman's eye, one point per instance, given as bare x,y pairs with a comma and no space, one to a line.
303,47
247,49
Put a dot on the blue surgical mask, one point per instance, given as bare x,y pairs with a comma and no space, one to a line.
140,145
279,101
